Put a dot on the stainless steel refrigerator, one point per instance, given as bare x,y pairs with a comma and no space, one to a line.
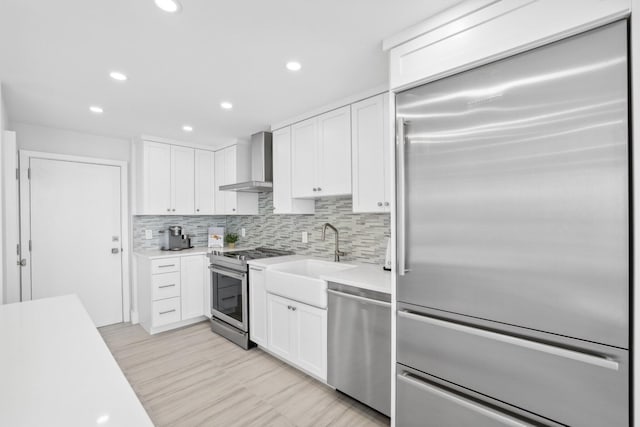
514,240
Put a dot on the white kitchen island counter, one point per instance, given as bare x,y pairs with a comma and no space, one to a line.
55,369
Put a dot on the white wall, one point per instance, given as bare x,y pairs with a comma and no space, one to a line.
4,121
61,141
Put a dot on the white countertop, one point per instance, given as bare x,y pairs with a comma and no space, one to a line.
201,250
55,369
365,276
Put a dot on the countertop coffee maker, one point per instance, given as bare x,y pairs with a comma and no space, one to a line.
173,239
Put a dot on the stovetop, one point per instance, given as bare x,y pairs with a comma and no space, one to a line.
239,258
257,253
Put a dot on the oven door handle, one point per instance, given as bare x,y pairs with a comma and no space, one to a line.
235,275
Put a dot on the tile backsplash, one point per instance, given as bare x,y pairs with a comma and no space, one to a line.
195,226
362,236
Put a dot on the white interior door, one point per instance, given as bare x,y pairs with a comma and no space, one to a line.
75,225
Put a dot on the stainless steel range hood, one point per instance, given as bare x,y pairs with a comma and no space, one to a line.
261,166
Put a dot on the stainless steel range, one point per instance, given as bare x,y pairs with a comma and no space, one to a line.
230,291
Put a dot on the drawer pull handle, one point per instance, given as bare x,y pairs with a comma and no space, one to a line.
599,361
168,311
166,265
167,286
486,411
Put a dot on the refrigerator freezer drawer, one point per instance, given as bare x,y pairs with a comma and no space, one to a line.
422,402
566,384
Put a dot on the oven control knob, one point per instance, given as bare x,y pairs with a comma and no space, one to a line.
243,257
238,257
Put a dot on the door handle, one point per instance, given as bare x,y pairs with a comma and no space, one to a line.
115,250
487,411
22,262
400,198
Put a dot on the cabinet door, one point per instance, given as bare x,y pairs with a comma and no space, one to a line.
219,179
283,203
280,324
257,306
282,170
304,136
334,153
388,144
230,173
192,281
311,339
182,180
204,184
369,160
206,303
157,178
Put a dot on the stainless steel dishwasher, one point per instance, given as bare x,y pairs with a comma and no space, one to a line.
359,345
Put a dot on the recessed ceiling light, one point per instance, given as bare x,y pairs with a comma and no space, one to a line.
226,105
117,75
96,109
171,6
187,128
293,66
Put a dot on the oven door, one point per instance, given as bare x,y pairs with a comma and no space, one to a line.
229,296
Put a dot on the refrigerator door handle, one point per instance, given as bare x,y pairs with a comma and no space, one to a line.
400,197
600,361
484,410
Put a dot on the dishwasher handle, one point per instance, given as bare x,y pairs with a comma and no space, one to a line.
359,298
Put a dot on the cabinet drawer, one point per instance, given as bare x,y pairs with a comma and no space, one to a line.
165,265
419,399
165,311
165,285
561,382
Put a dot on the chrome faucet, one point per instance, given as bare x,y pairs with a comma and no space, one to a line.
337,253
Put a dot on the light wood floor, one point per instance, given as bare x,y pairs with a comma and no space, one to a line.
192,377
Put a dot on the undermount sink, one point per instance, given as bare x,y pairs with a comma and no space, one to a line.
300,280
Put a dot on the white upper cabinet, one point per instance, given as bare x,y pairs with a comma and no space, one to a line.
154,181
473,33
231,177
182,180
164,179
232,165
283,203
219,179
321,155
304,137
371,148
204,182
334,153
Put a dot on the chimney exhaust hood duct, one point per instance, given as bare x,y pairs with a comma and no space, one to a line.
261,166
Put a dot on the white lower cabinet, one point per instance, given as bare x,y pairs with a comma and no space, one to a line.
257,306
193,272
298,333
166,311
172,292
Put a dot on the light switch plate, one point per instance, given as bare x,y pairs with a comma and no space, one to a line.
243,232
305,237
148,234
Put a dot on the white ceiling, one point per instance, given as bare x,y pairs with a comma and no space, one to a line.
55,57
